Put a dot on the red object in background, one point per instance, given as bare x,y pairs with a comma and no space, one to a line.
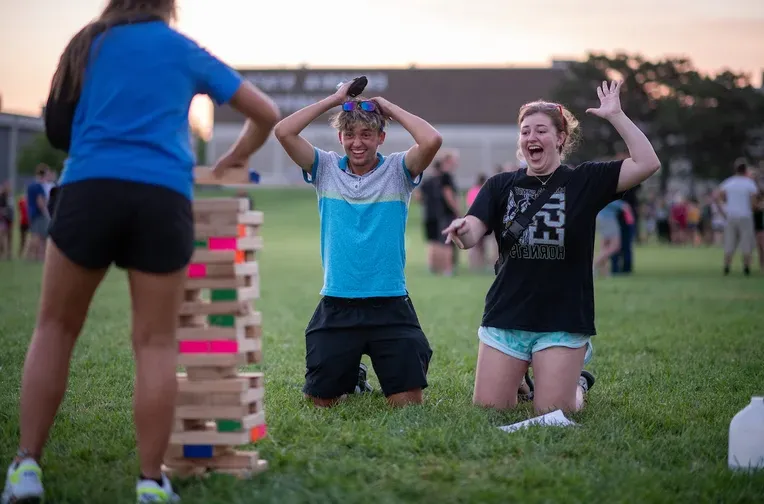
679,214
23,212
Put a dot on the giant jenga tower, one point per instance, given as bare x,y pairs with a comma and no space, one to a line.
219,408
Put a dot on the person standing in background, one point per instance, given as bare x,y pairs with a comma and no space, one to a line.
6,219
440,205
39,217
478,255
738,196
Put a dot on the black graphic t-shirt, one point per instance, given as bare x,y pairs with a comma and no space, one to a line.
546,284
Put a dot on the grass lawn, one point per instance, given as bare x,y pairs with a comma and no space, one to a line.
679,352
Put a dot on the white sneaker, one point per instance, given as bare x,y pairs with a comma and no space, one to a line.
149,492
23,485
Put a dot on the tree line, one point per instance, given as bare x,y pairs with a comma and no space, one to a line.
706,120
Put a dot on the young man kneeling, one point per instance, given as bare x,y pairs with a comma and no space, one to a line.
363,201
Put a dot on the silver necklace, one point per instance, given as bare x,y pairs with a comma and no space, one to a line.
543,182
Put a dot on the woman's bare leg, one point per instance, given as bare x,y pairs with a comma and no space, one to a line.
67,290
556,372
497,378
156,303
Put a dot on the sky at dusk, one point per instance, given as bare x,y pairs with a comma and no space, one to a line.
398,33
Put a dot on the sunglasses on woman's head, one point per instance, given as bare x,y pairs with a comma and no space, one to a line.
366,106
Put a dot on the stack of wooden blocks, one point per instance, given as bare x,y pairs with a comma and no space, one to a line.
219,408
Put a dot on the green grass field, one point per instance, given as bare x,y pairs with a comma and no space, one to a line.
680,350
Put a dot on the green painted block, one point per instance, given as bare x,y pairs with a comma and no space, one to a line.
228,426
200,243
221,320
223,295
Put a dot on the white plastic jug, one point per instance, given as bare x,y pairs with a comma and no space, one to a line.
746,443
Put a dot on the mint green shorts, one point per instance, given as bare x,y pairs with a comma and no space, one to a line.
523,344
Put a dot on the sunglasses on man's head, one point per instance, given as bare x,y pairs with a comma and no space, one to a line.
366,106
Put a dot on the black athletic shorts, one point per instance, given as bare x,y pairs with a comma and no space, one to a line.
758,220
137,226
433,230
385,329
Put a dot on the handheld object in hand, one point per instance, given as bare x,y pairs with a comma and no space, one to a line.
358,85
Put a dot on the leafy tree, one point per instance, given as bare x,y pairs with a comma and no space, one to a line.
709,121
39,150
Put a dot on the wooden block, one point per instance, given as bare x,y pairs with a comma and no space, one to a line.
198,451
221,270
240,383
219,360
233,176
192,321
176,451
219,308
251,219
242,328
213,438
204,373
221,205
235,460
203,472
258,432
228,243
217,256
218,346
242,398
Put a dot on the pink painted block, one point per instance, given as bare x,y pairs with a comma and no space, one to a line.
224,347
208,346
197,270
193,347
222,243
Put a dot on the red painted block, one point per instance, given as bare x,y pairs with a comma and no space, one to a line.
258,433
224,346
221,243
193,346
197,270
213,347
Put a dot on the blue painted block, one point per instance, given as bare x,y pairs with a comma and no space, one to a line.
254,177
197,451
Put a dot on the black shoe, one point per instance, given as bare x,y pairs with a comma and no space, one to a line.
586,380
529,382
747,271
726,270
363,386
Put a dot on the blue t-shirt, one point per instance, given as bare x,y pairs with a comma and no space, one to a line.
363,225
132,119
34,190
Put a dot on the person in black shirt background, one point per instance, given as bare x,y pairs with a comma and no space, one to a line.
440,206
540,309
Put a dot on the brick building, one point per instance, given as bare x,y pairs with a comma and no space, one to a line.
474,108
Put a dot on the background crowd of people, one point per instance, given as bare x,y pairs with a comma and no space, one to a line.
639,217
30,215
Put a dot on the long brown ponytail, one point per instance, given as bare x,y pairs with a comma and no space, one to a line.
70,73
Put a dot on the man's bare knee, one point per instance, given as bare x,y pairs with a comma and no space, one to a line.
406,398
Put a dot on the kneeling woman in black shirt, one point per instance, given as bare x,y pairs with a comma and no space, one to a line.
540,308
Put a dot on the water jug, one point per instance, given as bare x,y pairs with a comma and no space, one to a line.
746,441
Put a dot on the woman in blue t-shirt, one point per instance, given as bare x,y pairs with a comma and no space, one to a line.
540,309
125,199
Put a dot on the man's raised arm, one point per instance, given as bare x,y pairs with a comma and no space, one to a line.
427,139
288,130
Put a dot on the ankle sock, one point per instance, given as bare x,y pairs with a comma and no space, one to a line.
157,481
